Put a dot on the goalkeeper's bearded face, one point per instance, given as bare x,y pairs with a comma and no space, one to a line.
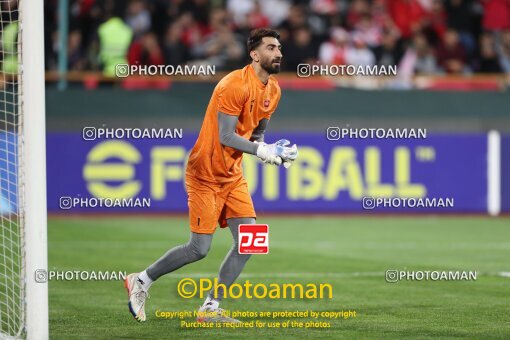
270,55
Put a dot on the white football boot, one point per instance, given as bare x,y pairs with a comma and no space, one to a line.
137,296
207,314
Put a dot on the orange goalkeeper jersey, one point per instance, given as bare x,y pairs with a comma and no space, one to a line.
240,93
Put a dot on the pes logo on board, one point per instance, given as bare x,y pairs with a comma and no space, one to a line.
253,239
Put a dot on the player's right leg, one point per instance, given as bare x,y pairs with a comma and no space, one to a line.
203,213
138,284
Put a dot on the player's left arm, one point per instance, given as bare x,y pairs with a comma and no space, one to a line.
258,134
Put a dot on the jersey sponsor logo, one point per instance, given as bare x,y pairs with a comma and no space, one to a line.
266,103
253,239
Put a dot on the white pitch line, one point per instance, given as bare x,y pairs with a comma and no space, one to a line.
312,275
281,275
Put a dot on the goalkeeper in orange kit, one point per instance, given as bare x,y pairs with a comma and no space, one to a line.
235,121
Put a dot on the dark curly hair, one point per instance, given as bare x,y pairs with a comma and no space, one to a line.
256,36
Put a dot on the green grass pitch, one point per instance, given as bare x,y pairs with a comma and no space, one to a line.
350,253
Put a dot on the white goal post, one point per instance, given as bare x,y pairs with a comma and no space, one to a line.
34,134
23,214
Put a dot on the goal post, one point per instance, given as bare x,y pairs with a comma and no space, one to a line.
23,214
34,135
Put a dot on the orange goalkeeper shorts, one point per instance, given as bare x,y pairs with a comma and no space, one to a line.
211,204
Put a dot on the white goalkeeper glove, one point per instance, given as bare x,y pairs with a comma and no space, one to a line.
277,153
292,155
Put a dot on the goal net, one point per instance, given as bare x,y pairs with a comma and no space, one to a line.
23,302
11,252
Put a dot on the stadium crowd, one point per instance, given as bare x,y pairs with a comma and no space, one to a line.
420,36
